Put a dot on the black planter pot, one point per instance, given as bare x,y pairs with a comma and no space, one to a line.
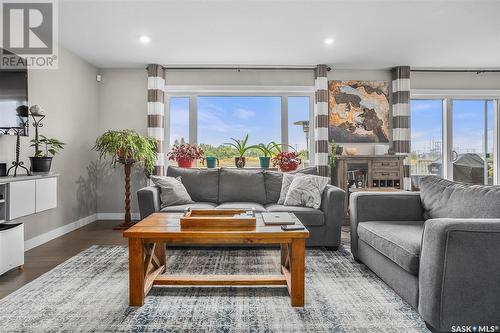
239,162
40,164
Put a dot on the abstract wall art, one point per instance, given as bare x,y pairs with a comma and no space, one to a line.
358,111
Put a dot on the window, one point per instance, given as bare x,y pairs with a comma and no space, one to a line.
299,129
426,137
472,143
179,120
223,117
211,120
453,137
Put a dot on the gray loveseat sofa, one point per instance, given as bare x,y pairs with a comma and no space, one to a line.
438,249
251,188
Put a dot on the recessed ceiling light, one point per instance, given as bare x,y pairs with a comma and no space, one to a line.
144,39
329,41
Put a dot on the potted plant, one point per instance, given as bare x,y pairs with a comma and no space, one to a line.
42,160
185,154
241,147
127,147
269,150
287,161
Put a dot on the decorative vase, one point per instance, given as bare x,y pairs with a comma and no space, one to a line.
339,150
41,164
264,161
288,167
239,161
184,162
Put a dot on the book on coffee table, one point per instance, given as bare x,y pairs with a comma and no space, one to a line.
278,218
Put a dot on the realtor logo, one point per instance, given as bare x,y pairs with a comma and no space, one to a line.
29,34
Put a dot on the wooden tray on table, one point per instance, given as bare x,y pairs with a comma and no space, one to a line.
218,218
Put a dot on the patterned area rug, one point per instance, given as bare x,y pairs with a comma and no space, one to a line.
89,292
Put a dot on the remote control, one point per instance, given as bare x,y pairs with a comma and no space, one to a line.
292,227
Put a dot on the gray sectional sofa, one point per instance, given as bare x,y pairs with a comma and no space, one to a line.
438,249
251,188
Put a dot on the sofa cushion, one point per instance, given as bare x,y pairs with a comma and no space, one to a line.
194,205
272,181
308,216
399,241
201,184
172,191
242,186
307,171
444,198
243,205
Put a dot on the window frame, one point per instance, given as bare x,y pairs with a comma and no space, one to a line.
193,92
447,96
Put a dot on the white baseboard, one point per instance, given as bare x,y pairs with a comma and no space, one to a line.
58,232
116,216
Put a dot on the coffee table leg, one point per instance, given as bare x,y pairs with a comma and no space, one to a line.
136,272
297,258
160,252
285,259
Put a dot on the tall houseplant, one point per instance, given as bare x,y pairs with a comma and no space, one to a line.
127,147
241,147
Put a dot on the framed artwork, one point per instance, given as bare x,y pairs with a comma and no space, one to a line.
358,111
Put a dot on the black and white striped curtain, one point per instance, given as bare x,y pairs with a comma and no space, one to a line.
156,112
401,118
321,119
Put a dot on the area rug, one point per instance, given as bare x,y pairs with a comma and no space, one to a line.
89,293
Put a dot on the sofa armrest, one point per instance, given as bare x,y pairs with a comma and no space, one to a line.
459,272
382,206
332,205
149,200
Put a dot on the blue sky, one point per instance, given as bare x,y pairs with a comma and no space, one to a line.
223,117
468,125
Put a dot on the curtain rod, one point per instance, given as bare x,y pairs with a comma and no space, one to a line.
477,71
243,68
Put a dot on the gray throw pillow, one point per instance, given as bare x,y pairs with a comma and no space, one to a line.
172,191
306,191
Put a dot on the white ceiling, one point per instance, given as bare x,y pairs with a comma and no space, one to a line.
369,34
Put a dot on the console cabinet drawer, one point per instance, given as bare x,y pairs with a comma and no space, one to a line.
386,174
385,164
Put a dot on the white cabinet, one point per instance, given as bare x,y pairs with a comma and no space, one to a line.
45,194
22,198
11,246
30,196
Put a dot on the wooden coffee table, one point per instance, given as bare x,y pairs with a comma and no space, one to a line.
147,261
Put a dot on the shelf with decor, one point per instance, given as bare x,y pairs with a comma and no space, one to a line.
355,173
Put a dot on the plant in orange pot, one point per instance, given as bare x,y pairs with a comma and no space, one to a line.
127,147
185,154
287,161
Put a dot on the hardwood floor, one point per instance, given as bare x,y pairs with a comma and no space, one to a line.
45,257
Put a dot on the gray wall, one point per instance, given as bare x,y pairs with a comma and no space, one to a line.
421,80
122,104
70,98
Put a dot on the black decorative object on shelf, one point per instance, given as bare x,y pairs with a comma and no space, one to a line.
37,123
18,164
